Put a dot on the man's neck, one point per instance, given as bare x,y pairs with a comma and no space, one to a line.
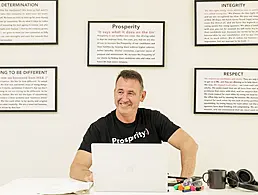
125,119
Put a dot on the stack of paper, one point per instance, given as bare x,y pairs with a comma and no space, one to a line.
65,186
45,186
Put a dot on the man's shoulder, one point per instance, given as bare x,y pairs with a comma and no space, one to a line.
104,119
148,111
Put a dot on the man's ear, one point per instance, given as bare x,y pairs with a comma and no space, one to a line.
143,96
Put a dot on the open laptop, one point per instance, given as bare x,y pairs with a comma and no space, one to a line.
130,167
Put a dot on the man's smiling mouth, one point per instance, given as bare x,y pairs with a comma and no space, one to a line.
124,105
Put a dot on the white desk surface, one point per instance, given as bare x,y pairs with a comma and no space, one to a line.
32,186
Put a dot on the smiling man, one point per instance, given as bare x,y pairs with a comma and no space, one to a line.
130,124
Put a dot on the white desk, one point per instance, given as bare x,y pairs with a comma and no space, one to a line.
31,186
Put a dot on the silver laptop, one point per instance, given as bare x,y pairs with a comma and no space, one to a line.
130,167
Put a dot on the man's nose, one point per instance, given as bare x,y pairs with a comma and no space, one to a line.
125,97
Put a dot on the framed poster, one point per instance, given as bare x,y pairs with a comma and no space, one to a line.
225,23
28,89
28,22
225,91
126,43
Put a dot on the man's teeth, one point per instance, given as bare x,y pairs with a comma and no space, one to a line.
124,104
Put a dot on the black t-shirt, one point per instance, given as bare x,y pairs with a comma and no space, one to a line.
150,126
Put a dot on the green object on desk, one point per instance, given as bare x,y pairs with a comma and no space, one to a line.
176,186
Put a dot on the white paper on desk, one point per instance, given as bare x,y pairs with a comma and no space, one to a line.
64,185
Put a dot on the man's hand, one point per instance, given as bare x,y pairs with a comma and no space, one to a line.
89,178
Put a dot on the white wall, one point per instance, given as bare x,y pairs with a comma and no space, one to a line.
44,144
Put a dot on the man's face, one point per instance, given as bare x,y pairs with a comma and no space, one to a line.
128,95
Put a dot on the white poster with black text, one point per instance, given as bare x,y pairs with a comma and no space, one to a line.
28,89
226,22
125,43
29,22
222,90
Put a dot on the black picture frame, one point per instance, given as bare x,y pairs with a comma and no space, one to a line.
227,91
90,40
217,29
32,42
4,71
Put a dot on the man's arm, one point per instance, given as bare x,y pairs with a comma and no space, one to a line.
79,169
188,149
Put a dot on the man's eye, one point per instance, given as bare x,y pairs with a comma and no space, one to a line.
120,92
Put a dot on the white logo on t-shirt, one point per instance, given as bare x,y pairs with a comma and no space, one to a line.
129,139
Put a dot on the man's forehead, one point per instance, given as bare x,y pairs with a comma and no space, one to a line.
126,89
